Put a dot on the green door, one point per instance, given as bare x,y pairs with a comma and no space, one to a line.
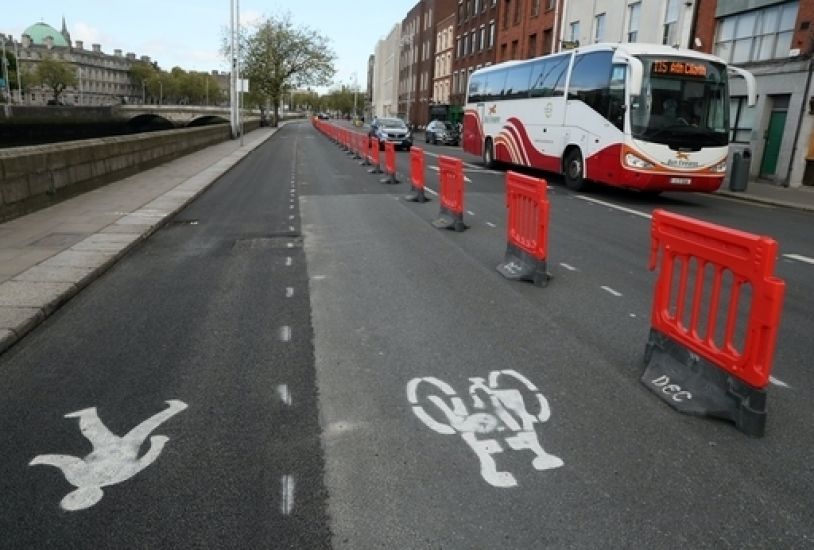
774,136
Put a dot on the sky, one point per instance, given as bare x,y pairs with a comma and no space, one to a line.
189,33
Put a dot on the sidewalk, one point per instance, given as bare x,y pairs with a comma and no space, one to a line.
801,198
48,256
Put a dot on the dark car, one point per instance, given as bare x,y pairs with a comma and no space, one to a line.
440,131
393,130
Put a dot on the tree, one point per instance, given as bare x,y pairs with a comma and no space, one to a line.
55,74
281,57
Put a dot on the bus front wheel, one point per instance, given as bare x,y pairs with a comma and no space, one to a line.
574,170
489,154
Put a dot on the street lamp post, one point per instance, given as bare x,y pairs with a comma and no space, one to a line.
160,92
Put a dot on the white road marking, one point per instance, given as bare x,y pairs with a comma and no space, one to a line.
289,291
569,267
291,228
430,191
777,382
470,212
113,460
285,333
291,207
289,245
288,261
614,206
287,499
291,217
799,258
611,291
285,394
438,169
490,224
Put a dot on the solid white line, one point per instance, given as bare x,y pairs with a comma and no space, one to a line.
615,206
799,258
287,500
288,261
609,289
289,291
490,224
285,395
569,267
285,333
777,382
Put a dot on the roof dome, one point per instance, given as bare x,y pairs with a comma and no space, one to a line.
40,31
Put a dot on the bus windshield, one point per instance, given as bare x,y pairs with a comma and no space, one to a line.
683,103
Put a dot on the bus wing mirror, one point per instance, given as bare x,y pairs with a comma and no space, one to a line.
751,86
636,76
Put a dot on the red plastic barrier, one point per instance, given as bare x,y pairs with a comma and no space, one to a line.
749,259
374,149
527,202
451,175
389,158
417,168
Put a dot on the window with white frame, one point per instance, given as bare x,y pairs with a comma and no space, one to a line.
491,34
633,15
482,42
574,31
670,28
757,35
599,28
742,120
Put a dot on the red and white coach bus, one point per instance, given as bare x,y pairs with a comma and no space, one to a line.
641,116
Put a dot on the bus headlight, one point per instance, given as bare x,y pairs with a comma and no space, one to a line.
720,168
635,162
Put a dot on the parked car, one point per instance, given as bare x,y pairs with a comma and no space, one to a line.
440,131
393,130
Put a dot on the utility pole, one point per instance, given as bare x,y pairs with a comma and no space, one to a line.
239,95
233,74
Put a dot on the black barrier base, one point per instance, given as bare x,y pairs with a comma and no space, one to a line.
416,195
390,179
449,220
692,385
364,162
519,265
375,170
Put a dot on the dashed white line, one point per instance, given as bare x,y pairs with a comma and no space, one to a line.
615,206
430,191
291,228
287,500
569,267
799,258
611,291
285,395
291,217
288,261
470,212
777,382
490,224
285,333
289,291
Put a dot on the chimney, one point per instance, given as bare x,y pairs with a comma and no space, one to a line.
80,45
117,53
97,48
145,58
131,55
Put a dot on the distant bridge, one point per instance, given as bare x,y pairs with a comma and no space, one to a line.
180,116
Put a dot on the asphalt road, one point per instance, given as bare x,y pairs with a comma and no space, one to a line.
318,327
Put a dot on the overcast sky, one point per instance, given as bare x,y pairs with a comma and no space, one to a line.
188,33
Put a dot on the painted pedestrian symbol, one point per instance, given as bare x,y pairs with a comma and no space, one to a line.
114,459
499,411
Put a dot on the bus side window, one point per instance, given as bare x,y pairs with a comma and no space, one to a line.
616,97
590,80
517,82
476,85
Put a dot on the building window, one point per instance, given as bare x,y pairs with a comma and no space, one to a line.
599,30
506,12
634,10
574,32
670,23
516,12
743,119
532,46
756,35
551,4
535,8
491,34
514,49
482,43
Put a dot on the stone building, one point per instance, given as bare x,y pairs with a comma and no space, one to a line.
102,79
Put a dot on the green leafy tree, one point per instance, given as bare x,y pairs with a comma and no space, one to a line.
142,73
280,57
56,75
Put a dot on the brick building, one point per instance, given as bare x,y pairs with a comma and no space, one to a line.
527,28
475,42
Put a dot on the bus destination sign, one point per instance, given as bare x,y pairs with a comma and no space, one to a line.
680,68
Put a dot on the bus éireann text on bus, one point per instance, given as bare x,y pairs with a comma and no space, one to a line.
641,116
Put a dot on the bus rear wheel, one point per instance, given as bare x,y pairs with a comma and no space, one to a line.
574,170
489,154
